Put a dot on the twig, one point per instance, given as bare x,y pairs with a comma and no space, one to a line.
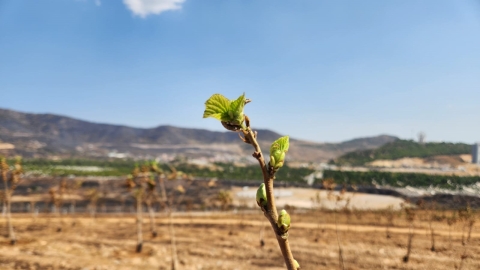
270,211
231,115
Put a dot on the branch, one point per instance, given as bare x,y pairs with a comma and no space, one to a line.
270,211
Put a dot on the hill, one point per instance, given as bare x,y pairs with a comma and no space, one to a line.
402,149
44,135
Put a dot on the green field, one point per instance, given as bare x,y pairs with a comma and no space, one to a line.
401,149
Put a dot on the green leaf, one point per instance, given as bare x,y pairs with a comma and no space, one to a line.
216,106
238,104
280,144
236,110
228,111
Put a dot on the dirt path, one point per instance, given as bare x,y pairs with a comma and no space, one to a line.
220,219
302,225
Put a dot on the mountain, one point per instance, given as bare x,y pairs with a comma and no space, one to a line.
41,135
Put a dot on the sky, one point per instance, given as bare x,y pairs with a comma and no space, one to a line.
323,71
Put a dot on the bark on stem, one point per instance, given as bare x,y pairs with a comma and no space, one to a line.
173,241
11,232
168,207
8,203
139,225
151,214
271,210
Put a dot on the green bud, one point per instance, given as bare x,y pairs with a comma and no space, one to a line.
262,196
297,265
283,221
272,161
236,118
277,152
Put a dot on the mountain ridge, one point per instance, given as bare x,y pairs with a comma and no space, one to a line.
37,135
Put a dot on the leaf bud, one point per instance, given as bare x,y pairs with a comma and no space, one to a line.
278,149
262,196
297,265
283,221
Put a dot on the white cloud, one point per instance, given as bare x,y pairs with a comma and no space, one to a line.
144,8
98,2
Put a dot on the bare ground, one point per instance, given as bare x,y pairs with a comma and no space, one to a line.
231,241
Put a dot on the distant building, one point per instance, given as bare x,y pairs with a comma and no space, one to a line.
115,154
476,153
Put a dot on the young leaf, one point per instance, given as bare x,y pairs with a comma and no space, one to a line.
216,106
277,152
236,111
281,144
229,112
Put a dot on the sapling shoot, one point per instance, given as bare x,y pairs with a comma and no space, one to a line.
150,198
410,216
56,199
451,220
11,178
136,183
231,115
468,219
167,204
72,190
389,215
92,196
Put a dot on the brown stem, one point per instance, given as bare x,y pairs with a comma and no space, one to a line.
151,214
432,233
167,205
11,232
139,225
409,246
163,191
470,229
432,236
173,242
73,205
341,263
271,210
450,236
462,258
8,202
32,208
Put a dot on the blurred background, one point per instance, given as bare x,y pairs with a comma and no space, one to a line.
101,106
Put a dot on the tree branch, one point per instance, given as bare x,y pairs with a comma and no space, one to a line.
270,211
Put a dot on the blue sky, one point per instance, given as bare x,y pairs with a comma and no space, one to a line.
316,70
